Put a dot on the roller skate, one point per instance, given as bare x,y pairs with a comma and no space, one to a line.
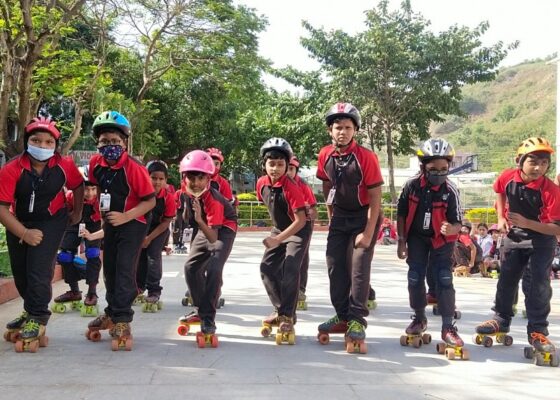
13,328
301,301
355,337
415,333
187,300
207,336
371,304
492,327
152,303
32,337
140,298
67,301
431,299
186,321
452,345
269,323
122,337
90,307
99,324
542,350
333,325
285,332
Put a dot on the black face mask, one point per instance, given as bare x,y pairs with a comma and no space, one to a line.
436,178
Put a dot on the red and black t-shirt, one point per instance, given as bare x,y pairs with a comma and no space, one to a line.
538,200
20,182
282,199
127,182
165,208
351,173
308,195
217,211
90,212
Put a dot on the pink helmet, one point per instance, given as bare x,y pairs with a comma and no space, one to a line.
197,161
494,227
44,124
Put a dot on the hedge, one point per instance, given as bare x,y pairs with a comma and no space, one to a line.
476,215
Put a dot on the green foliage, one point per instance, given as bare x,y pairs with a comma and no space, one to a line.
256,213
487,215
5,269
247,197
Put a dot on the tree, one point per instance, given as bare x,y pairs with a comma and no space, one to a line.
401,75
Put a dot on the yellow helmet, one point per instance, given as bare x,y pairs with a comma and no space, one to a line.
532,145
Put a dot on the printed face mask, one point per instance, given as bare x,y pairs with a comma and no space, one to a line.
436,179
39,153
111,152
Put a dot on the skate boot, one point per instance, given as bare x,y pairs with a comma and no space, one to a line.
67,301
32,337
187,300
301,301
452,345
371,303
13,327
355,337
122,337
493,327
90,307
268,323
333,325
542,352
285,332
140,298
152,303
415,333
99,324
207,335
186,321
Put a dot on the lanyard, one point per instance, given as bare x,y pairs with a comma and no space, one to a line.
106,183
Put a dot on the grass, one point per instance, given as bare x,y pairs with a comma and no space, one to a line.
5,269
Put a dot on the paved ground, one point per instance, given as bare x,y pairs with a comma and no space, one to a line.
164,365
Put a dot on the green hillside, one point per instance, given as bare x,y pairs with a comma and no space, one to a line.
518,104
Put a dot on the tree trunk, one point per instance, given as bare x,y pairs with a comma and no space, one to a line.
5,93
391,165
24,102
78,115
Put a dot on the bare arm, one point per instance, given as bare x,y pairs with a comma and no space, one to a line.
78,205
327,185
32,237
295,227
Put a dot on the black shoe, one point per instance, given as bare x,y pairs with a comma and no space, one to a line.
208,326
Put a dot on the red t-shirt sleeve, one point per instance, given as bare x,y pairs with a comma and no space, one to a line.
502,180
9,176
73,176
140,181
225,188
214,212
92,164
551,194
294,196
371,170
322,160
170,208
260,184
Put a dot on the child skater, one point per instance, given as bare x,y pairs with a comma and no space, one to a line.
91,221
288,240
33,186
126,196
216,227
149,272
428,222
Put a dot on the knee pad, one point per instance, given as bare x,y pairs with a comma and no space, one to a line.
65,256
414,279
445,278
93,252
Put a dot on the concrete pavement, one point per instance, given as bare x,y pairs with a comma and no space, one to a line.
164,365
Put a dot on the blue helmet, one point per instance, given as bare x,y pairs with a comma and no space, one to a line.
111,120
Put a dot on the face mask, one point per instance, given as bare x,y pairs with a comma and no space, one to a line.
39,153
435,180
111,152
196,194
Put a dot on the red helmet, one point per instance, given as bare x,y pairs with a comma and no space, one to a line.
294,162
197,161
215,153
43,124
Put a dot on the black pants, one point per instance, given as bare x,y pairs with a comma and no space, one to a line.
178,228
70,244
148,275
120,257
420,255
280,270
303,274
33,266
204,267
536,284
349,268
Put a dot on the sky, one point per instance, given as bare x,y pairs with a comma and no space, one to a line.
534,23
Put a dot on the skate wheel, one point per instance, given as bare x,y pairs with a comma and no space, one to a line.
363,348
457,314
221,302
8,336
404,340
59,308
323,338
417,342
487,341
554,360
160,305
349,347
528,352
539,359
508,340
200,341
115,344
266,331
477,339
33,346
185,301
43,341
183,330
440,347
95,336
278,338
292,338
465,355
18,346
450,354
426,338
214,341
128,344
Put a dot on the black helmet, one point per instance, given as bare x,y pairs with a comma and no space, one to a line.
277,144
343,110
435,148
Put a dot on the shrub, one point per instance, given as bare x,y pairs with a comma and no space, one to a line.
247,197
476,215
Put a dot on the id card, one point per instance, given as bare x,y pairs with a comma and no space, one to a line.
31,202
105,202
330,197
187,234
81,229
427,220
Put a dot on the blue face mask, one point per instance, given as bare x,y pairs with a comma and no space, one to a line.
111,152
39,153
